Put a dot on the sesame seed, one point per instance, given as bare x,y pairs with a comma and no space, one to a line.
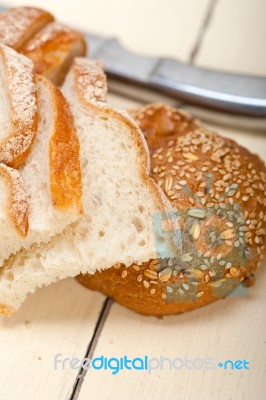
124,274
169,289
199,294
149,273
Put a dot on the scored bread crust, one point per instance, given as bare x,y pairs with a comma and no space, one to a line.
49,44
90,84
51,172
20,92
64,156
183,155
17,199
53,49
18,25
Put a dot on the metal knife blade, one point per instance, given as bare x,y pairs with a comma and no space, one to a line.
230,95
230,99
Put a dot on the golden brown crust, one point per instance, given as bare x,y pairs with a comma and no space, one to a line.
18,79
18,25
50,45
64,159
17,199
219,190
53,49
126,287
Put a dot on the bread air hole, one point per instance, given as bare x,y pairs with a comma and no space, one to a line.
138,225
10,276
101,233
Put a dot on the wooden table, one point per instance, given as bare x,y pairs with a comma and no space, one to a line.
66,318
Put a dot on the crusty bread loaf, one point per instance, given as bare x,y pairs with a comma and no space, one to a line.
49,44
219,190
50,176
20,24
120,199
53,50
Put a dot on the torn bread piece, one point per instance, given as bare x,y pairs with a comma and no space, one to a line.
53,50
20,24
51,175
120,198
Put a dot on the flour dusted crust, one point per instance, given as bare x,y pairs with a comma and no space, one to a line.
17,199
41,179
65,172
90,81
220,190
18,25
53,48
18,79
50,45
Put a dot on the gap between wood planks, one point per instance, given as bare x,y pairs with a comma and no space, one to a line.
91,347
108,302
202,31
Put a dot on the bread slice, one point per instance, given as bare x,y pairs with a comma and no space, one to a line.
120,199
18,25
53,49
51,176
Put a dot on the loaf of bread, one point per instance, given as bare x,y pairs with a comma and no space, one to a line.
119,197
18,25
50,45
219,190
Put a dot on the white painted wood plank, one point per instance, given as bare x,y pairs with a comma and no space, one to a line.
152,26
234,328
235,39
57,319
